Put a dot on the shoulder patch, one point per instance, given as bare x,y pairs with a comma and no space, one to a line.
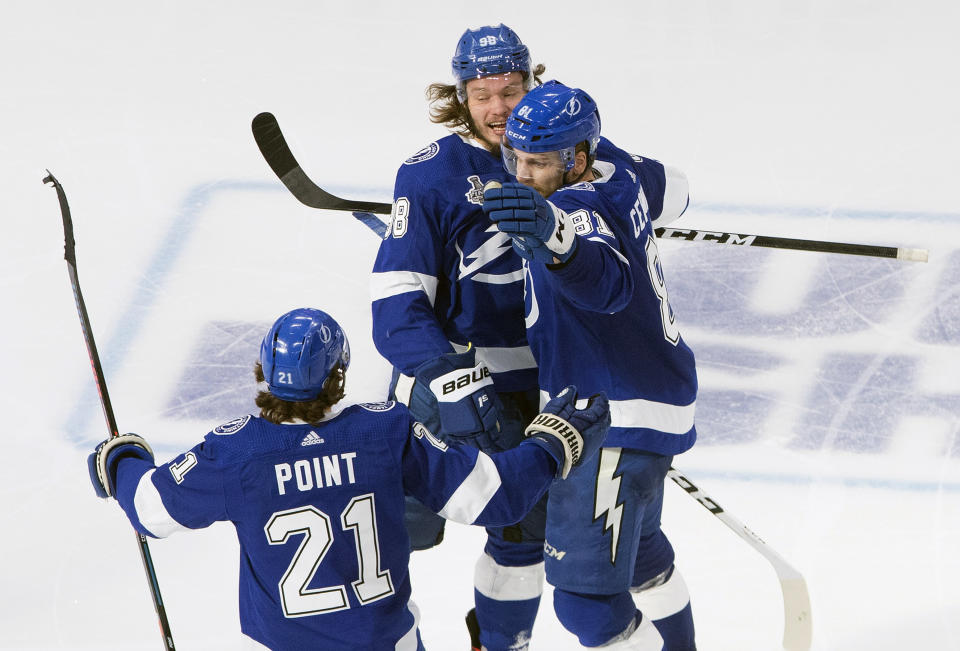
585,185
231,426
426,153
378,406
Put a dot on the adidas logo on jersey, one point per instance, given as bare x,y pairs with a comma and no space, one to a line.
311,439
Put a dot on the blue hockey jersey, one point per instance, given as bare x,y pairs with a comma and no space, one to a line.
444,276
603,321
318,510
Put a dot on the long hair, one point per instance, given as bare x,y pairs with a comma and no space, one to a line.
447,109
279,411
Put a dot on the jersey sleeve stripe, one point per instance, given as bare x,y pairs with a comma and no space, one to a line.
640,413
150,510
676,196
597,238
473,494
384,284
409,641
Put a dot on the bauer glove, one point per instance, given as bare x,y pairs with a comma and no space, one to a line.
462,390
540,231
569,434
103,461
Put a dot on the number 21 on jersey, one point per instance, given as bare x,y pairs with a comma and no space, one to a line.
315,526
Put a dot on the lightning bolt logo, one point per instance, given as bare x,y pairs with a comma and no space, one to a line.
607,495
490,250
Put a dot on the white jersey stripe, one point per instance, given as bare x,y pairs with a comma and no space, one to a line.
676,195
384,284
660,416
472,496
150,510
409,641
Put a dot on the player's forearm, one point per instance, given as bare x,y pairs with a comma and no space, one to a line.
596,278
526,473
129,473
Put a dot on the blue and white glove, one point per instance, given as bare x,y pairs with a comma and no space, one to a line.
102,462
569,434
540,231
462,390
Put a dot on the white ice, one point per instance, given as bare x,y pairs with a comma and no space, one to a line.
829,419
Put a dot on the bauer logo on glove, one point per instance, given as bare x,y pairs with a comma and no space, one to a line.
456,385
462,389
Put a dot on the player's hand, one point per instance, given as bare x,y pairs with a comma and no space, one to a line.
571,435
102,462
468,407
540,231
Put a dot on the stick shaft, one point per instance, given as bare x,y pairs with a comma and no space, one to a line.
768,241
69,254
276,151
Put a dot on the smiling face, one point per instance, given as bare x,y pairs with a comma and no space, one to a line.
490,101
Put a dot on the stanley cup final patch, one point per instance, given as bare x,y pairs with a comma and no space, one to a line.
475,193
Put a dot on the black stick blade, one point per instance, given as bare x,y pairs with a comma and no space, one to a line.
69,244
276,151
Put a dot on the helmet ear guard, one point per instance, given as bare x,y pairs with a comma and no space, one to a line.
300,351
489,50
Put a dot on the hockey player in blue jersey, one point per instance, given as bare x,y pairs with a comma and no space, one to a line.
598,316
446,281
317,496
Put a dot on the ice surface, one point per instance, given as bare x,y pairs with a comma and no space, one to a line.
829,413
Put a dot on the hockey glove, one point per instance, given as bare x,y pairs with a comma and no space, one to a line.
462,391
569,434
540,231
103,461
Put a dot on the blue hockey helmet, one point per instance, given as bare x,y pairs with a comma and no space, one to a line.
549,118
299,351
490,50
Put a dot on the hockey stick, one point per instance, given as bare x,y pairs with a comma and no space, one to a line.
277,153
273,146
797,617
692,235
69,254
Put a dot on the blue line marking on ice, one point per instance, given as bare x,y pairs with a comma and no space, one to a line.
368,193
820,211
166,255
810,480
